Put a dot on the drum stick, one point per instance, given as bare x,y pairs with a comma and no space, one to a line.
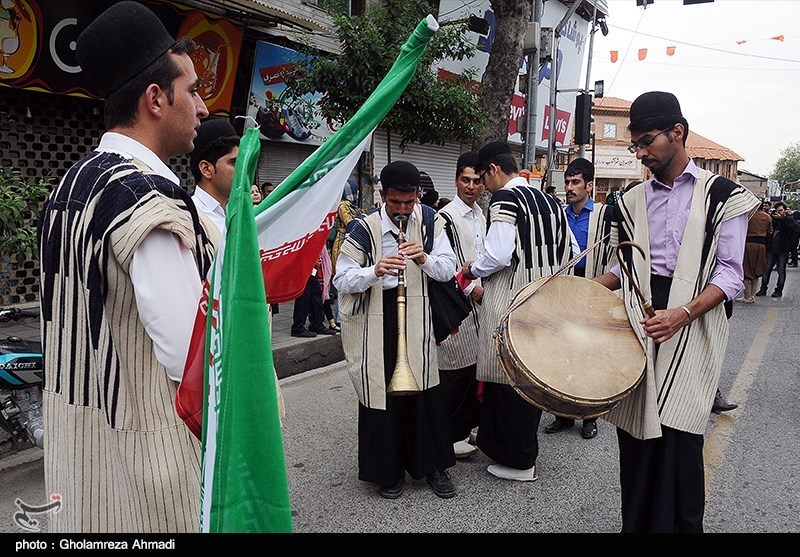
647,306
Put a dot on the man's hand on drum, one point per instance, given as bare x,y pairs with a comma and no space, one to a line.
665,323
389,265
413,251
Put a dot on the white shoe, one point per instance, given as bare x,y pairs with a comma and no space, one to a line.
506,473
473,436
462,449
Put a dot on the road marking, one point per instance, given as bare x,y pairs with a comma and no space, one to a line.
722,431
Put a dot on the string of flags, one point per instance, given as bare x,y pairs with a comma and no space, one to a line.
670,50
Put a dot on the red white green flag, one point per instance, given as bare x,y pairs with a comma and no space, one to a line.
228,395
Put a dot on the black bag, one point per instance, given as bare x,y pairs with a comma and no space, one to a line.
449,307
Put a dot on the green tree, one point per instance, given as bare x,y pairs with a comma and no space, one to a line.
787,169
430,111
21,199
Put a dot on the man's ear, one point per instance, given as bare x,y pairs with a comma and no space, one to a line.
154,99
590,185
206,169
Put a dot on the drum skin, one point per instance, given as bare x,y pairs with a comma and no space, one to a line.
569,348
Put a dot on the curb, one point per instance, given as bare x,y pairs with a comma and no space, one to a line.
321,352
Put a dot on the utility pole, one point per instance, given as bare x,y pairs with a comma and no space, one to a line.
582,152
532,90
551,146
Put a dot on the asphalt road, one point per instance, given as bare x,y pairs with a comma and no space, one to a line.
751,456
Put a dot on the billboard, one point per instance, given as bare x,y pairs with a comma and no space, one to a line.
572,47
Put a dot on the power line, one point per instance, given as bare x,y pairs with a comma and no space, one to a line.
636,32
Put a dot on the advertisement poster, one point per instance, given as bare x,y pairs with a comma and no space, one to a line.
38,43
572,47
282,117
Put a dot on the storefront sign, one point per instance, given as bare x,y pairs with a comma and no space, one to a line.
280,116
38,43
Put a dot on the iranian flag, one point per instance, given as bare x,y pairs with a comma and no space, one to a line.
228,395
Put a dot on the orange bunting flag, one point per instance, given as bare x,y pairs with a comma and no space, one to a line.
614,56
741,42
642,53
778,38
670,51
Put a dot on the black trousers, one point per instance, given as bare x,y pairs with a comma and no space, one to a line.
662,480
309,303
461,400
412,434
509,425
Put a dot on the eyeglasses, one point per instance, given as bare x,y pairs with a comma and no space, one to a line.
481,175
645,142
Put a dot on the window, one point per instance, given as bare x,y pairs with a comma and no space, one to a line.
610,131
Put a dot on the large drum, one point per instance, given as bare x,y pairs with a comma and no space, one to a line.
567,347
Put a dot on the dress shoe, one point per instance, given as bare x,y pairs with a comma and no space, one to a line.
777,294
515,474
559,424
324,331
589,429
392,491
462,449
441,484
722,405
761,293
304,334
473,436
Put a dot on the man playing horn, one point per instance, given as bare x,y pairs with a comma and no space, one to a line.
408,433
692,226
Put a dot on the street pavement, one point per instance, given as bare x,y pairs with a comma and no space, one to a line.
750,453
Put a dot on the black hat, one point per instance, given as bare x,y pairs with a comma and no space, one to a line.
117,46
211,130
655,110
491,150
400,174
468,159
580,166
425,181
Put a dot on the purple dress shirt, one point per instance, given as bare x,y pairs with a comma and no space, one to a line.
667,214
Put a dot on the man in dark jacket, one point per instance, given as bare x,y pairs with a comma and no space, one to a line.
784,238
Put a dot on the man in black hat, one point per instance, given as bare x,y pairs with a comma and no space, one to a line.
213,163
692,226
409,433
465,226
528,239
123,257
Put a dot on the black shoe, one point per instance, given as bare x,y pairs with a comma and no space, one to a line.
761,293
777,294
441,484
722,405
304,334
324,331
559,424
589,429
392,491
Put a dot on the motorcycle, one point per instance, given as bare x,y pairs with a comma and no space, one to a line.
21,378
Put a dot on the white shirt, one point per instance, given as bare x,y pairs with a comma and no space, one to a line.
351,278
477,226
211,207
500,241
165,280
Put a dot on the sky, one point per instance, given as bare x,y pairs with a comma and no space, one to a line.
745,96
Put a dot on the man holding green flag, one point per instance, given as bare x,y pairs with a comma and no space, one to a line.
228,393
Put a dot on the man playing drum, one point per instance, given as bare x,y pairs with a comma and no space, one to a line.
528,239
691,225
